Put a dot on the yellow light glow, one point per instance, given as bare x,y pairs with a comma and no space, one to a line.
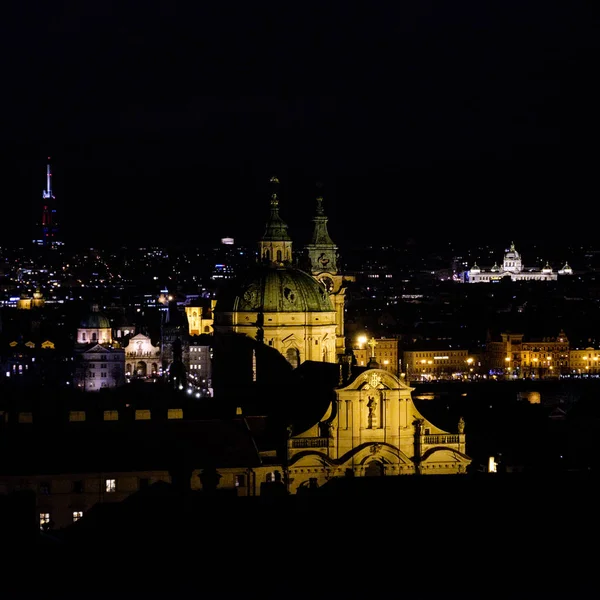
362,340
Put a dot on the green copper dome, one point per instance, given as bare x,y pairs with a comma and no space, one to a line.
94,320
270,289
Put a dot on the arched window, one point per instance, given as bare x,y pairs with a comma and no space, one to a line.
278,255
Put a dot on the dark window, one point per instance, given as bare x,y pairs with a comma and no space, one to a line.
78,487
144,483
45,488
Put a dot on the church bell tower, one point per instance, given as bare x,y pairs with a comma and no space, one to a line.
275,246
324,264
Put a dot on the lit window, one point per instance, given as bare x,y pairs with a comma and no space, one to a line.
77,514
175,413
142,415
44,520
111,485
111,415
77,415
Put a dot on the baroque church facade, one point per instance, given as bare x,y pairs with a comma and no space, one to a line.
373,428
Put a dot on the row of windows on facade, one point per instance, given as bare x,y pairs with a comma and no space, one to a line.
108,415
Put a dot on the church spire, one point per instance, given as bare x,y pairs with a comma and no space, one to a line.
321,251
275,247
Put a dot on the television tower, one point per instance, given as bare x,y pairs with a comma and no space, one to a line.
49,224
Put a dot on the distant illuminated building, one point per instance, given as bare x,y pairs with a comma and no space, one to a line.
383,350
512,267
430,364
200,362
99,361
200,317
27,303
142,359
48,227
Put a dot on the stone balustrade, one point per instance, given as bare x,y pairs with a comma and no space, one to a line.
310,442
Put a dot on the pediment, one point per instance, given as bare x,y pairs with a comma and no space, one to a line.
377,379
139,336
97,349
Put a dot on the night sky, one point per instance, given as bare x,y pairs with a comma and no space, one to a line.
165,120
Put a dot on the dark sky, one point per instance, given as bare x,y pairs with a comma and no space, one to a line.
165,120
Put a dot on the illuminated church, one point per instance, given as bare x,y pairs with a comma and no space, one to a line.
299,313
286,323
99,360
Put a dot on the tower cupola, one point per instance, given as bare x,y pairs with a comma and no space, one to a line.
275,246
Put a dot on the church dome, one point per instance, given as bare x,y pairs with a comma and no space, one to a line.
269,289
94,320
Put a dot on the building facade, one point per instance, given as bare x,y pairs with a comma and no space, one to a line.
512,268
385,351
142,359
374,428
99,360
429,365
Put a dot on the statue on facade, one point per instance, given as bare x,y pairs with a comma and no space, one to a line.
371,405
461,425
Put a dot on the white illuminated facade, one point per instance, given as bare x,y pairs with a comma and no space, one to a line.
99,360
142,359
512,267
